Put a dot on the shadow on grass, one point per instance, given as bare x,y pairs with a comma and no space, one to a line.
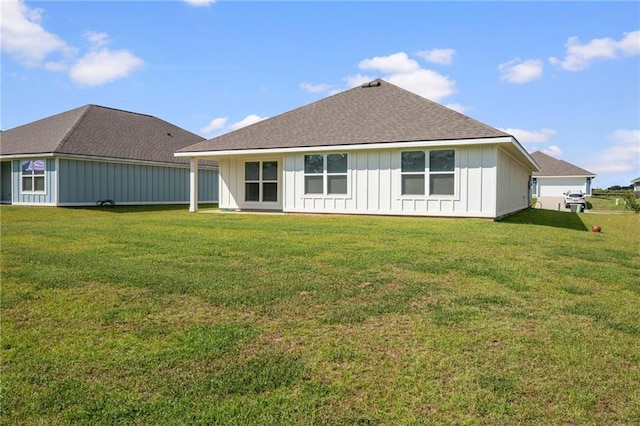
144,208
551,218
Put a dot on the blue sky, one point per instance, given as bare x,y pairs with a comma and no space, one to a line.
563,77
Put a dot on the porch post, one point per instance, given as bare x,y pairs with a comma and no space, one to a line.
193,185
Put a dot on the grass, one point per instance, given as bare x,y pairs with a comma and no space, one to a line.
607,203
158,316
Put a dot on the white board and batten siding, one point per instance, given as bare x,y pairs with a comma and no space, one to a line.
513,191
374,185
232,183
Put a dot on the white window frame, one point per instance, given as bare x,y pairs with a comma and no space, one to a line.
441,173
420,173
326,175
32,176
427,173
261,181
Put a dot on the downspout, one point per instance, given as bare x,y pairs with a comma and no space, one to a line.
193,185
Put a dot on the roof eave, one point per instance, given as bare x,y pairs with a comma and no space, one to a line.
346,147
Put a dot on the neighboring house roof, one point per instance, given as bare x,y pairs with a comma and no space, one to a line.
377,112
636,180
550,166
96,131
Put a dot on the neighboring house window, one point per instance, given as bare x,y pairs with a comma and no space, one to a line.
413,170
440,172
534,185
441,175
32,176
261,181
325,173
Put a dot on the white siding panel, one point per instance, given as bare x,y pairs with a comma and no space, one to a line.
373,182
513,185
488,179
361,182
474,183
375,186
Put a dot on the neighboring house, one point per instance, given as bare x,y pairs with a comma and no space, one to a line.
374,149
636,186
93,153
556,177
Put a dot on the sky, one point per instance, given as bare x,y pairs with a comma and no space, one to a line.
562,77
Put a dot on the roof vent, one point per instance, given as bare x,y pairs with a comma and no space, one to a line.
374,83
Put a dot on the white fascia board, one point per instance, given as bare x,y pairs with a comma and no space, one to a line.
563,176
18,156
524,152
355,147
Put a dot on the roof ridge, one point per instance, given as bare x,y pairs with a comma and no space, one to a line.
121,110
69,132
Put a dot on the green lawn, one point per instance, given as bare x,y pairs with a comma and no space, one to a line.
159,316
608,202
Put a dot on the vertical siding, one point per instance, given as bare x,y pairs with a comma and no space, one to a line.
227,183
232,194
513,185
375,185
85,182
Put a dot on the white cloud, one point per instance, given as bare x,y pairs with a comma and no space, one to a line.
200,2
104,66
398,63
531,136
101,65
219,125
458,107
215,125
426,83
399,69
247,121
553,151
519,71
315,88
407,73
437,56
622,156
30,44
97,39
23,37
579,56
357,80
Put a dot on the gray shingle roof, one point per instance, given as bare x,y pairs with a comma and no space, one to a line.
98,131
379,113
550,166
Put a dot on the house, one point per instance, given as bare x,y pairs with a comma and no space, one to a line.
93,153
636,187
374,149
556,177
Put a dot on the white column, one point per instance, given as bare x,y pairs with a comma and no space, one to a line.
193,185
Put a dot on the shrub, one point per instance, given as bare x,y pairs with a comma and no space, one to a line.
632,203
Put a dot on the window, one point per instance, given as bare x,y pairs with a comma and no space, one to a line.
414,171
261,181
33,176
441,176
325,173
